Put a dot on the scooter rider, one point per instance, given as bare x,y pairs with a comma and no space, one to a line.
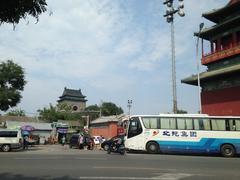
117,146
117,142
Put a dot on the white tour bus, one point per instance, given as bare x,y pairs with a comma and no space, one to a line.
184,133
10,139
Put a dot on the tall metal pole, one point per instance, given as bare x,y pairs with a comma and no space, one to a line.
129,107
174,86
198,73
170,19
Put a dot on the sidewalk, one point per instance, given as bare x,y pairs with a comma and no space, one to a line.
58,149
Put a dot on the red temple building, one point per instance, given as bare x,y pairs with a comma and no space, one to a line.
220,83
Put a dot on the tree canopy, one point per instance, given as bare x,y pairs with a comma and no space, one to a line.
106,109
109,108
181,111
64,112
16,112
48,114
11,84
59,112
94,107
11,11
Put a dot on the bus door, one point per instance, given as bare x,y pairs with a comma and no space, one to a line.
135,137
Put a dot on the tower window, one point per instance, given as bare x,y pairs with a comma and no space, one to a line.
75,108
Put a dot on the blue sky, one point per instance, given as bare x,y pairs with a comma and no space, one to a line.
111,50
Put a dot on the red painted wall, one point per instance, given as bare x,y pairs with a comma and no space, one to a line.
113,129
224,102
107,131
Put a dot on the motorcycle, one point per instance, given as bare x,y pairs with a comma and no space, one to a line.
116,148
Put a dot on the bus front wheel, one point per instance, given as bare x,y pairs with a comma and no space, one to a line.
227,150
152,148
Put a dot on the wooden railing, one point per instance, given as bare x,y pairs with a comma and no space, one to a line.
221,54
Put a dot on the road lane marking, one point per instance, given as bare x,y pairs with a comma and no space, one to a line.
52,158
36,158
92,158
164,176
132,168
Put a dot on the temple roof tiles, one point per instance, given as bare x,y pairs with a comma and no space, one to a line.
217,15
211,74
209,32
72,95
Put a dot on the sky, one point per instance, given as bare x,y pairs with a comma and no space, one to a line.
114,51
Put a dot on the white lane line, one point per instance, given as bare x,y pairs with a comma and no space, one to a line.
36,158
174,176
133,168
92,158
164,176
52,158
120,178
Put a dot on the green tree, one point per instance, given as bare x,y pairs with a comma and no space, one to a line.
11,11
180,111
60,112
109,108
11,84
16,112
49,114
94,107
93,111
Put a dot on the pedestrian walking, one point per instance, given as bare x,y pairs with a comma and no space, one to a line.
25,142
100,139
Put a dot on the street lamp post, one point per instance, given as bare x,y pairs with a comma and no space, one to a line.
198,75
129,105
170,19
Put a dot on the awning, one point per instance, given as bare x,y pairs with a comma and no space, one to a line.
62,130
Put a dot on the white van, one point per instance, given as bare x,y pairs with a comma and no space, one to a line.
10,139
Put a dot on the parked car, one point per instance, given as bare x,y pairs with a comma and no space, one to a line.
10,139
76,141
106,144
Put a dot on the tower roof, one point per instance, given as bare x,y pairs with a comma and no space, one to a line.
225,18
217,15
209,32
72,95
211,74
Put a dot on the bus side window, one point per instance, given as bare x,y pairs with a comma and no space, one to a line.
151,122
202,124
218,125
198,124
237,124
168,123
189,124
181,123
230,125
184,123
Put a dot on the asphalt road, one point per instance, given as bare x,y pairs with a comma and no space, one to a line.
57,162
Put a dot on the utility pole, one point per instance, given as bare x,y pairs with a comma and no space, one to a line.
198,76
170,19
129,105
